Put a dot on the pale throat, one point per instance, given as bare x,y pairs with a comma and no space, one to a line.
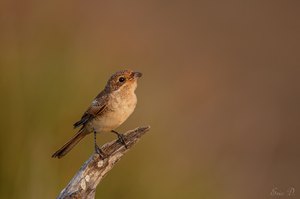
126,90
125,98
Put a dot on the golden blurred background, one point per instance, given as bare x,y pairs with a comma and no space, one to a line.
221,91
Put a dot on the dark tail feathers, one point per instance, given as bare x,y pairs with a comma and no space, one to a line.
70,144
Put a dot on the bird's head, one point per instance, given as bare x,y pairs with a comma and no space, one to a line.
125,79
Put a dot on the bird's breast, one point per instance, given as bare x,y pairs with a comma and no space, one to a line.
119,108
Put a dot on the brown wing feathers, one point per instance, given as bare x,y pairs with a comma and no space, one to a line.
95,109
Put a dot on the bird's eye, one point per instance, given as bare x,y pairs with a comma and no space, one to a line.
121,79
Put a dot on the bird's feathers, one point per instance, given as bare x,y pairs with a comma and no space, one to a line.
97,107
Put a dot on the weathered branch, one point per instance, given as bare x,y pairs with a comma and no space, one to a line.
84,183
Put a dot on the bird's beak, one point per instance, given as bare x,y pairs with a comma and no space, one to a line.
137,74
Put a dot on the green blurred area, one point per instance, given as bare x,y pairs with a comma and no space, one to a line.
220,90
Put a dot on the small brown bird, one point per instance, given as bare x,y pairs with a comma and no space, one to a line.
110,109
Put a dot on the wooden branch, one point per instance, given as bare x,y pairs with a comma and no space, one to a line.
84,183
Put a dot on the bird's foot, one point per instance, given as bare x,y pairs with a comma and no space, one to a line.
121,138
101,153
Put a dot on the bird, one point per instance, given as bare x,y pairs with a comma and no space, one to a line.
109,109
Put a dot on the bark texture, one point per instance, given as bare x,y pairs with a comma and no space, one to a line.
84,183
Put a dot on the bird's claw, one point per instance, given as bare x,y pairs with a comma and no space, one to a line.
121,139
99,151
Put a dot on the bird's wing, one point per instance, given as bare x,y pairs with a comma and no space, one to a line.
97,107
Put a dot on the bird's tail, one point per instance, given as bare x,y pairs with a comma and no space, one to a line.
70,144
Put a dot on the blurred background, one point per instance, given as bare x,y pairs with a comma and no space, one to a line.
220,91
